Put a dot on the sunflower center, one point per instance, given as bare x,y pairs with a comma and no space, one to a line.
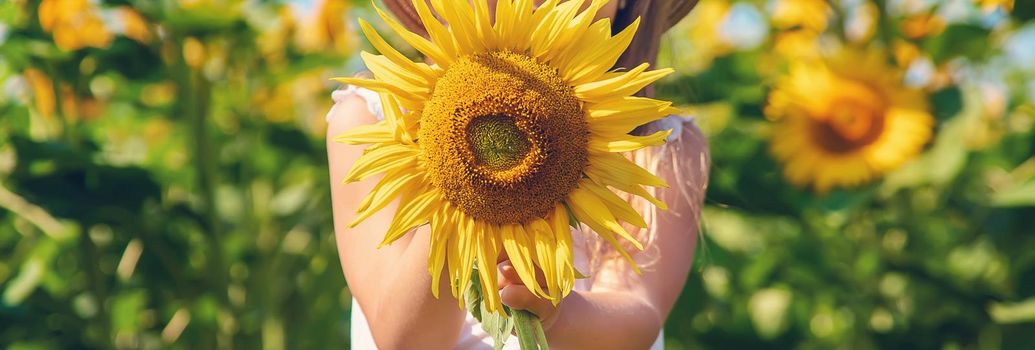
496,142
503,137
854,120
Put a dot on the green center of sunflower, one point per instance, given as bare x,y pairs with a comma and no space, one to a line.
503,137
496,142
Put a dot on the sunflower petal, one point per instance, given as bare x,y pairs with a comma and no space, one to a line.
387,70
582,199
622,115
438,32
606,178
461,25
624,170
604,233
487,253
545,247
466,244
382,159
442,227
594,61
386,190
411,214
410,98
563,250
377,133
519,250
391,53
418,42
620,84
616,205
626,143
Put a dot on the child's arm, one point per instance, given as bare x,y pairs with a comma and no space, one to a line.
625,310
391,284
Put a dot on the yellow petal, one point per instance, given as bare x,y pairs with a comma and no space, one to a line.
606,178
519,250
469,228
542,235
411,214
551,27
483,24
622,115
616,205
408,98
591,62
488,251
382,159
604,233
461,25
368,133
626,143
622,169
442,227
390,187
438,32
418,42
583,200
391,53
563,249
620,84
388,71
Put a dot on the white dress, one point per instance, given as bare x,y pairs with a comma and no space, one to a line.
472,337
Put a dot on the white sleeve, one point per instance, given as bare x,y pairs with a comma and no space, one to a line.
372,99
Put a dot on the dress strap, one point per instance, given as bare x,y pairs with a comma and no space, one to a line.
371,97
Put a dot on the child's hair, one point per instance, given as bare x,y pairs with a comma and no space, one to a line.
656,17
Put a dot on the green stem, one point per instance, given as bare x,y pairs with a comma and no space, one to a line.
529,330
540,334
197,92
885,27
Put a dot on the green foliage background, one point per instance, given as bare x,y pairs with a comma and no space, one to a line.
176,195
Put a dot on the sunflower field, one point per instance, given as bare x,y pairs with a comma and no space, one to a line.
164,180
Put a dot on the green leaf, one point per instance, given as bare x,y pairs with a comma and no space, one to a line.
957,40
1020,196
497,325
473,296
947,102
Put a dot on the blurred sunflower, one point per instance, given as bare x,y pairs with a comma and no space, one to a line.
812,15
131,24
923,25
511,133
75,24
797,45
73,106
324,30
992,5
717,28
847,121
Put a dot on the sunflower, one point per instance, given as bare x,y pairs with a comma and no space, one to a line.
846,121
992,5
513,134
75,24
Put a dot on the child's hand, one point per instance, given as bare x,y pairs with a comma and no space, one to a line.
514,294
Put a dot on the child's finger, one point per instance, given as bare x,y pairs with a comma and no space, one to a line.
520,298
506,275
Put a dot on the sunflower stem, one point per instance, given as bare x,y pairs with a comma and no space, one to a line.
529,330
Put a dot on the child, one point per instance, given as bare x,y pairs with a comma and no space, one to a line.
614,308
